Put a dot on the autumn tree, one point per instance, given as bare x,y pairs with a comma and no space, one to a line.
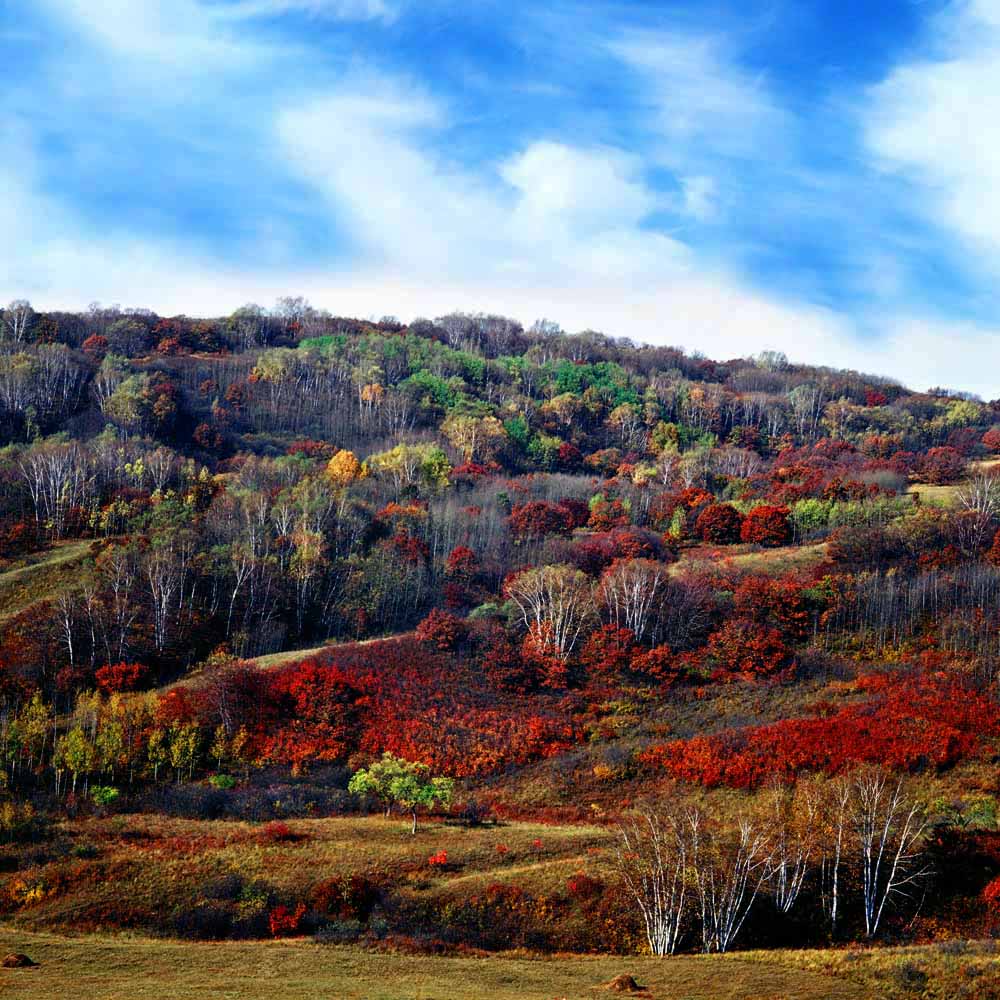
766,525
630,590
408,784
652,857
555,603
719,524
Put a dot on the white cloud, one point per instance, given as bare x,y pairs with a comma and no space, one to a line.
701,100
174,33
937,122
569,213
339,10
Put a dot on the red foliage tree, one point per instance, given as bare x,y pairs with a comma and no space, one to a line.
773,602
607,651
659,664
766,525
942,465
538,518
991,439
742,647
95,346
461,562
441,629
607,514
719,524
120,677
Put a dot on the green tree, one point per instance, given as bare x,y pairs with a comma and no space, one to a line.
408,784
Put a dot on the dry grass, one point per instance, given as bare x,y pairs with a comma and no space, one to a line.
40,577
751,559
119,967
161,863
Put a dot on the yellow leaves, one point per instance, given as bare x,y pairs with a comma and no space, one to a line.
344,469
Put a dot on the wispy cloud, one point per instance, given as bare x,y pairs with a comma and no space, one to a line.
936,122
339,10
646,169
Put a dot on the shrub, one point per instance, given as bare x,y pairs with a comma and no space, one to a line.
441,629
438,860
222,781
766,525
719,524
103,795
277,833
284,922
991,896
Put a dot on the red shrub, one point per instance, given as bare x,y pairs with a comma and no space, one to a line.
719,524
439,860
991,896
538,518
744,647
607,651
583,887
909,723
766,525
659,664
120,676
277,833
284,922
442,629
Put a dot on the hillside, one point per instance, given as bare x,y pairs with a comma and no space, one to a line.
278,586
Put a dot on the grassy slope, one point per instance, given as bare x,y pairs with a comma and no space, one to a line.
42,576
161,863
109,968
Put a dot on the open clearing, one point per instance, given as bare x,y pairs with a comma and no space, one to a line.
44,575
120,967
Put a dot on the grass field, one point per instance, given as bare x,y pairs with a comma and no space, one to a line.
121,967
116,968
750,559
41,576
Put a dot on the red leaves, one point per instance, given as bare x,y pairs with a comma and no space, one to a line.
719,524
284,922
441,629
538,518
766,525
910,723
744,647
659,664
942,465
991,896
438,860
120,677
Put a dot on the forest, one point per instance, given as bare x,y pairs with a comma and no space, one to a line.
647,652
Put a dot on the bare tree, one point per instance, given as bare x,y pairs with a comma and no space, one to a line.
554,599
791,817
888,828
979,501
16,321
652,858
629,591
729,870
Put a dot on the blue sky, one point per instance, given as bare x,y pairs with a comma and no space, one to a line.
821,178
